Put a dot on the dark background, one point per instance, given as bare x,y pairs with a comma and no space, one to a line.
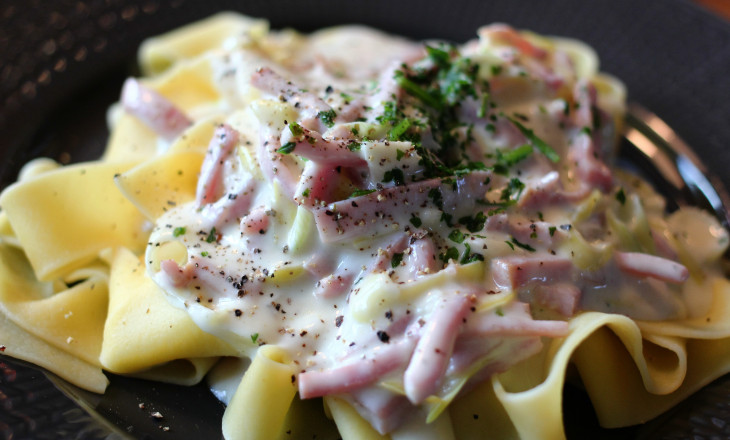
673,55
62,63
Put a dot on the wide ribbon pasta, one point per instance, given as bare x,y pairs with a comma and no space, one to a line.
133,263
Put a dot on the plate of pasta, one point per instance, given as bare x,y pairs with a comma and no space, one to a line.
351,233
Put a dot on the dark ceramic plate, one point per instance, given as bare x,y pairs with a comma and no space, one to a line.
62,64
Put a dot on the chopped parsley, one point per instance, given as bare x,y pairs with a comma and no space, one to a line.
456,236
296,129
508,158
451,254
396,260
212,236
536,142
178,231
395,175
287,148
470,257
254,337
362,192
621,196
327,117
416,221
396,133
524,246
475,223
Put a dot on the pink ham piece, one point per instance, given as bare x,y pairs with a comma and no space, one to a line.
515,271
335,284
585,96
320,264
506,34
433,351
318,183
589,170
513,319
177,275
314,147
388,87
154,110
421,259
645,265
232,206
563,298
524,230
504,353
398,243
373,214
358,374
308,104
277,166
210,183
391,208
384,409
256,222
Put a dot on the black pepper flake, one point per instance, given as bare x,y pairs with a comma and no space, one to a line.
238,312
338,320
389,315
383,336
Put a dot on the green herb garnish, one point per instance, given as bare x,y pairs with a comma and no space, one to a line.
361,192
396,260
327,117
287,148
536,142
212,236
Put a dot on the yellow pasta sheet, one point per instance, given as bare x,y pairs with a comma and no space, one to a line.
65,217
143,329
262,400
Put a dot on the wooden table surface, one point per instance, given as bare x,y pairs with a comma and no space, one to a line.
720,7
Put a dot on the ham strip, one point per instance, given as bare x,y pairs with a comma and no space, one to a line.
384,409
256,222
513,272
276,166
588,168
433,351
314,147
513,319
308,104
335,284
391,208
524,230
176,275
358,374
645,265
318,183
232,206
421,259
210,183
563,298
154,110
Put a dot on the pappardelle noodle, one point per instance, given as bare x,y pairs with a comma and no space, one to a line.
424,235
